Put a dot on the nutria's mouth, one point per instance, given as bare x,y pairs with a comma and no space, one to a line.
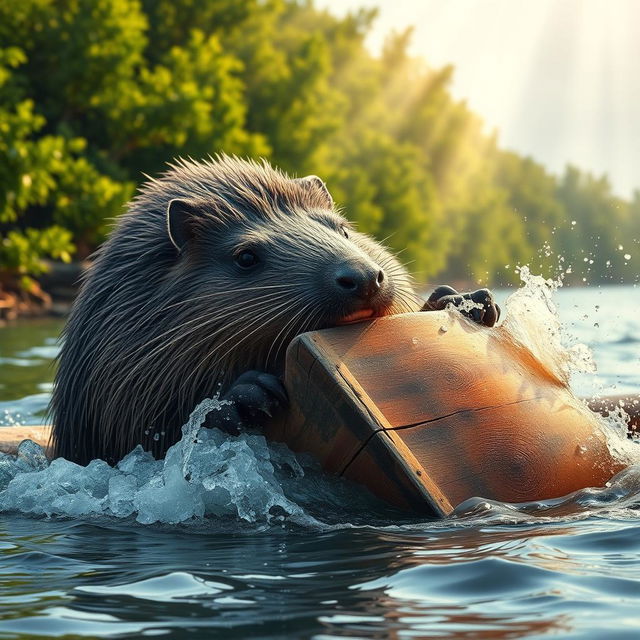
357,316
368,313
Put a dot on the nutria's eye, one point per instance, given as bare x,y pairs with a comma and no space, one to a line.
344,231
246,259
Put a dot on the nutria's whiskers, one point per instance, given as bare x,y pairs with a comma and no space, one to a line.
287,327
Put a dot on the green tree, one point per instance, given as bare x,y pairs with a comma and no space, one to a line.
95,93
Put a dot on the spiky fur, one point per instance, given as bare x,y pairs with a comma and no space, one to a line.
154,331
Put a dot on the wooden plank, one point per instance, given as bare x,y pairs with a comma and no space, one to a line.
414,371
396,463
444,410
500,455
388,468
325,416
11,437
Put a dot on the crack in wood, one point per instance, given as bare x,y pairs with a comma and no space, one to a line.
418,424
470,410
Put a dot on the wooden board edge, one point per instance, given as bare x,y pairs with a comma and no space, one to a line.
11,437
415,473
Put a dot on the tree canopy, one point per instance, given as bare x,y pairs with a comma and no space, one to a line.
96,93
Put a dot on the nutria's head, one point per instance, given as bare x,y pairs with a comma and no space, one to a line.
275,258
213,270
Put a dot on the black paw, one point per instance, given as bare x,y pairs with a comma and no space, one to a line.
254,398
485,311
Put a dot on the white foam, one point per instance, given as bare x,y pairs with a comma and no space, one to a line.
207,473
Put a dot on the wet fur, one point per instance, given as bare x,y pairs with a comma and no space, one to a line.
155,330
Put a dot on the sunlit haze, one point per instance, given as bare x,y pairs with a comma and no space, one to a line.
558,79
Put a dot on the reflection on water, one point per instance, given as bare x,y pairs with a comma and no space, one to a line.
474,581
569,567
26,370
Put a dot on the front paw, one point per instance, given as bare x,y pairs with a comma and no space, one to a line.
478,305
251,401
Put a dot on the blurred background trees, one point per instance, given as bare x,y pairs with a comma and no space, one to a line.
94,93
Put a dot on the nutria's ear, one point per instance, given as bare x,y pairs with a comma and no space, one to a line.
315,183
180,217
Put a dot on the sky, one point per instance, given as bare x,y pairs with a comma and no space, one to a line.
558,79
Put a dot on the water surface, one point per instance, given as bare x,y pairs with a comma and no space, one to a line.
341,565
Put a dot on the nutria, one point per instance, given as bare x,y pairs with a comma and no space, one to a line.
215,266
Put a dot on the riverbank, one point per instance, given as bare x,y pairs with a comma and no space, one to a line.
51,296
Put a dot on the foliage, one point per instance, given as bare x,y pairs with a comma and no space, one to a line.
94,93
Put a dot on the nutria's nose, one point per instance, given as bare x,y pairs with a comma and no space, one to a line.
362,281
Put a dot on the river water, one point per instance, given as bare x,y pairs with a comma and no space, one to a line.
271,548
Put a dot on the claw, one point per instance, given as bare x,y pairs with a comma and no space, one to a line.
275,386
254,397
445,295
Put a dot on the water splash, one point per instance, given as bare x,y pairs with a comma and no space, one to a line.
532,321
206,473
619,499
208,476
